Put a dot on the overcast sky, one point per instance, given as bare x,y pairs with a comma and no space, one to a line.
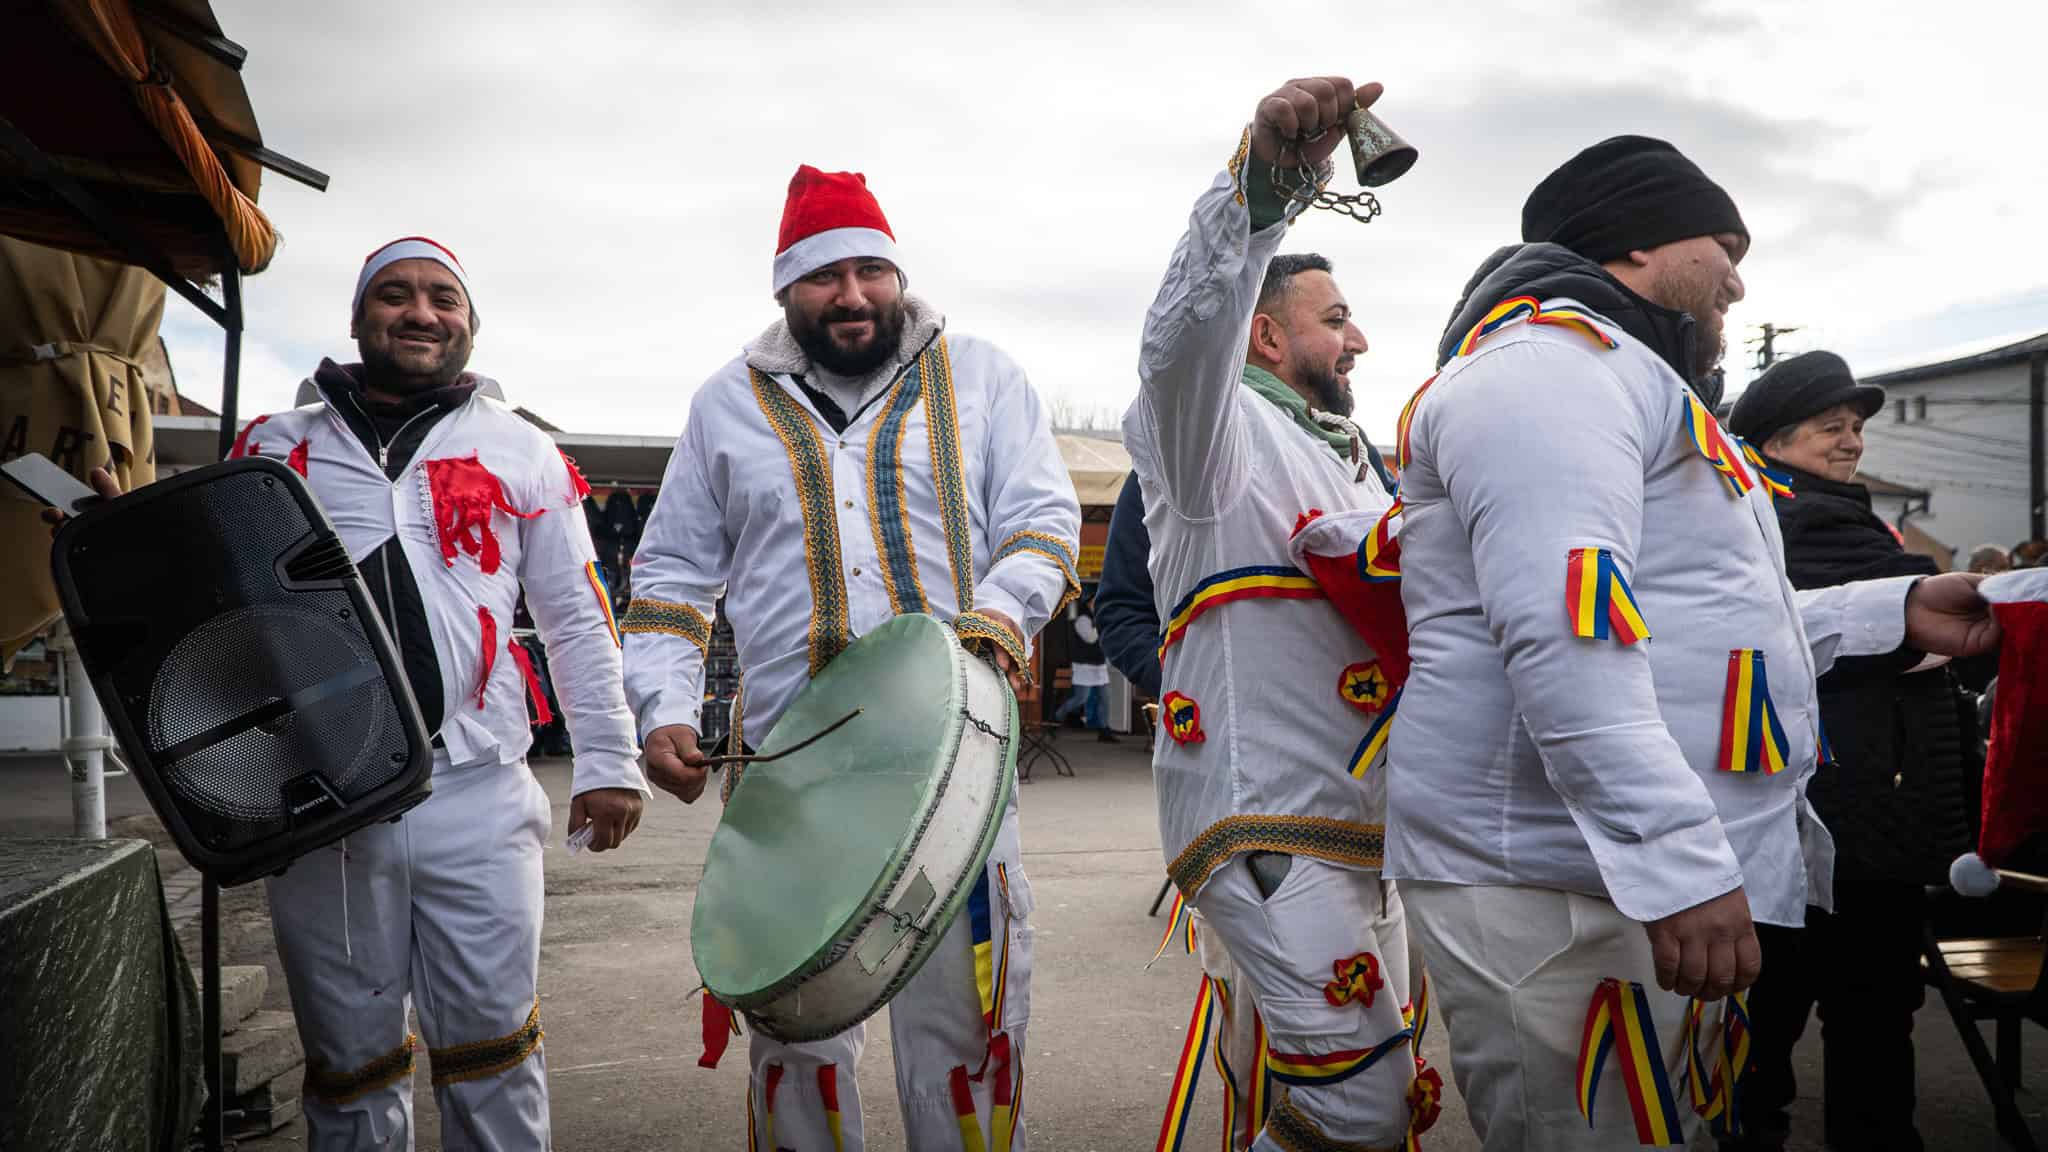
612,175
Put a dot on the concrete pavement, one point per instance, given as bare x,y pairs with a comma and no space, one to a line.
622,1027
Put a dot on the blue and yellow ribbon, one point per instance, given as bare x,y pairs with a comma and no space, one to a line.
1188,1070
1379,554
1375,736
1321,1069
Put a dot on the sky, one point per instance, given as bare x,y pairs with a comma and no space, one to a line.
612,174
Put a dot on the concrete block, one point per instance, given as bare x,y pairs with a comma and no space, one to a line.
242,988
264,1048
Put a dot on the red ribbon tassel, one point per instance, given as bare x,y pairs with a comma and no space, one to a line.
523,658
719,1029
578,486
299,456
490,652
464,494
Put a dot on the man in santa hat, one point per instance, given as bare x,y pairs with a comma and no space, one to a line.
452,507
854,462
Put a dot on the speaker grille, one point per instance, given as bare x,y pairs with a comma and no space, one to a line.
244,660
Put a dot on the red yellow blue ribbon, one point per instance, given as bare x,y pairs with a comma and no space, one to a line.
1716,1096
1007,1086
1407,419
1618,1021
1379,554
1318,1069
1714,445
1179,918
1376,735
604,598
1188,1071
1776,481
1261,581
1752,740
1518,309
1598,599
828,1095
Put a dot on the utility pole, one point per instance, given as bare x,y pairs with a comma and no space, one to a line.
1766,345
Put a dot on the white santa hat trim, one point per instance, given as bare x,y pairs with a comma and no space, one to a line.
408,248
830,246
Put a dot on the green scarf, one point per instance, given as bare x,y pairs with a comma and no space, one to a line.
1289,401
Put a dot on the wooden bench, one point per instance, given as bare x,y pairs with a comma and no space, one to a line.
2002,979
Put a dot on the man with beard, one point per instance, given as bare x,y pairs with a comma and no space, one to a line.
856,462
1584,822
452,507
1270,794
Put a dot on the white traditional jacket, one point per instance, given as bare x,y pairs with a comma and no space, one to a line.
452,531
1559,498
946,494
1261,751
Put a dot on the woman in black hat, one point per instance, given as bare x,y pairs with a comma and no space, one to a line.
1891,793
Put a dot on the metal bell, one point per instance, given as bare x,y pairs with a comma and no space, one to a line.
1380,155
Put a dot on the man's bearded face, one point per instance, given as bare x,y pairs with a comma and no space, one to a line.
414,328
848,315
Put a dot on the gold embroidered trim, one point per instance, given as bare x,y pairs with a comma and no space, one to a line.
978,628
1338,841
942,422
813,476
337,1088
1052,548
736,724
487,1057
668,618
893,546
1294,1132
1236,165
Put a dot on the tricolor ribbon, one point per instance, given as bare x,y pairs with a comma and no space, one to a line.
1376,735
1519,309
1716,1096
1598,599
1179,920
604,598
1777,481
1752,740
1323,1068
1379,554
963,1111
1173,1128
828,1095
1258,581
1714,445
1618,1021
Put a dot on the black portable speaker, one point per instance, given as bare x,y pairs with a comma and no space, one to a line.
242,667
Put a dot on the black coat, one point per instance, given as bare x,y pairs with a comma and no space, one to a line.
1896,797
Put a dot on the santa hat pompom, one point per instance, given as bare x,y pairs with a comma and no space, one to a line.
1971,876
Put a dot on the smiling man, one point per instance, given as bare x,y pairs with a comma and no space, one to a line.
452,507
1599,773
855,462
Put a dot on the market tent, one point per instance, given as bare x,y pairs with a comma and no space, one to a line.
1097,465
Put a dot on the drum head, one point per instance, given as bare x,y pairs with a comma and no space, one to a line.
807,844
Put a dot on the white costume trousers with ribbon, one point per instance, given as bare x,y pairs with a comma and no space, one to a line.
1325,957
1516,968
959,1080
439,912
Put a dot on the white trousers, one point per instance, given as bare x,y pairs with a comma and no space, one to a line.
441,913
1514,972
1325,957
949,1068
1239,1045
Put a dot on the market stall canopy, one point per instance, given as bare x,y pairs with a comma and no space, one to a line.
140,105
1097,466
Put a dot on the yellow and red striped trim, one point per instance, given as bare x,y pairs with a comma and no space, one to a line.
1379,554
828,1095
1261,581
1598,599
1618,1021
964,1113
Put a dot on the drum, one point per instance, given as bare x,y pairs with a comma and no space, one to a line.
835,872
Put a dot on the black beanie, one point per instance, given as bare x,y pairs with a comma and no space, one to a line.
1625,194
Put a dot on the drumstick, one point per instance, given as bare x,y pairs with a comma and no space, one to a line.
799,746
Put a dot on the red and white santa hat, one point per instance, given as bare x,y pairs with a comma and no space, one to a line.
829,216
408,248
